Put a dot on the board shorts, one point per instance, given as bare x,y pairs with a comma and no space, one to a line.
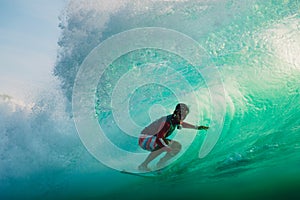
148,142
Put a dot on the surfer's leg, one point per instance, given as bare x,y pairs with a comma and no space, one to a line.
151,156
176,147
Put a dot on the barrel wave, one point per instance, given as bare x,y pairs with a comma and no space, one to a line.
253,45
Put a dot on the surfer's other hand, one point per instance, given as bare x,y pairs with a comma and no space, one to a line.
202,127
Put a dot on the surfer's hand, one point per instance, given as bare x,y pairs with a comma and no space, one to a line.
202,127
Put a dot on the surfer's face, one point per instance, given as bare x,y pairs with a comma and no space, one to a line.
181,115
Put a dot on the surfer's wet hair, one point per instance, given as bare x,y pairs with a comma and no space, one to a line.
182,108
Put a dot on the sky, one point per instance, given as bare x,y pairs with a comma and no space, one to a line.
29,34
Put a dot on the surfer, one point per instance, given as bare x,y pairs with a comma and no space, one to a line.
154,137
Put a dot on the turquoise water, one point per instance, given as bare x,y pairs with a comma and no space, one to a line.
254,45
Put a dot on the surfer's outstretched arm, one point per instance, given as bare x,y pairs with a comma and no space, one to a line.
187,125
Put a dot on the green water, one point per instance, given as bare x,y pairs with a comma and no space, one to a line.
254,47
256,55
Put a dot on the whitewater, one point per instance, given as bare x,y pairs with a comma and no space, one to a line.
235,63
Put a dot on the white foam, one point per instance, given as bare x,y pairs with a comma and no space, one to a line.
284,39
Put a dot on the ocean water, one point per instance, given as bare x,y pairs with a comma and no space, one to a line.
244,82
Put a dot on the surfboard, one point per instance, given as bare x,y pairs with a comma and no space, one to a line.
151,174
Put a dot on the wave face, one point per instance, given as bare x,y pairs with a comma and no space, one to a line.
253,44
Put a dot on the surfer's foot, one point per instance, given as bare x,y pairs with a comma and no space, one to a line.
144,168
